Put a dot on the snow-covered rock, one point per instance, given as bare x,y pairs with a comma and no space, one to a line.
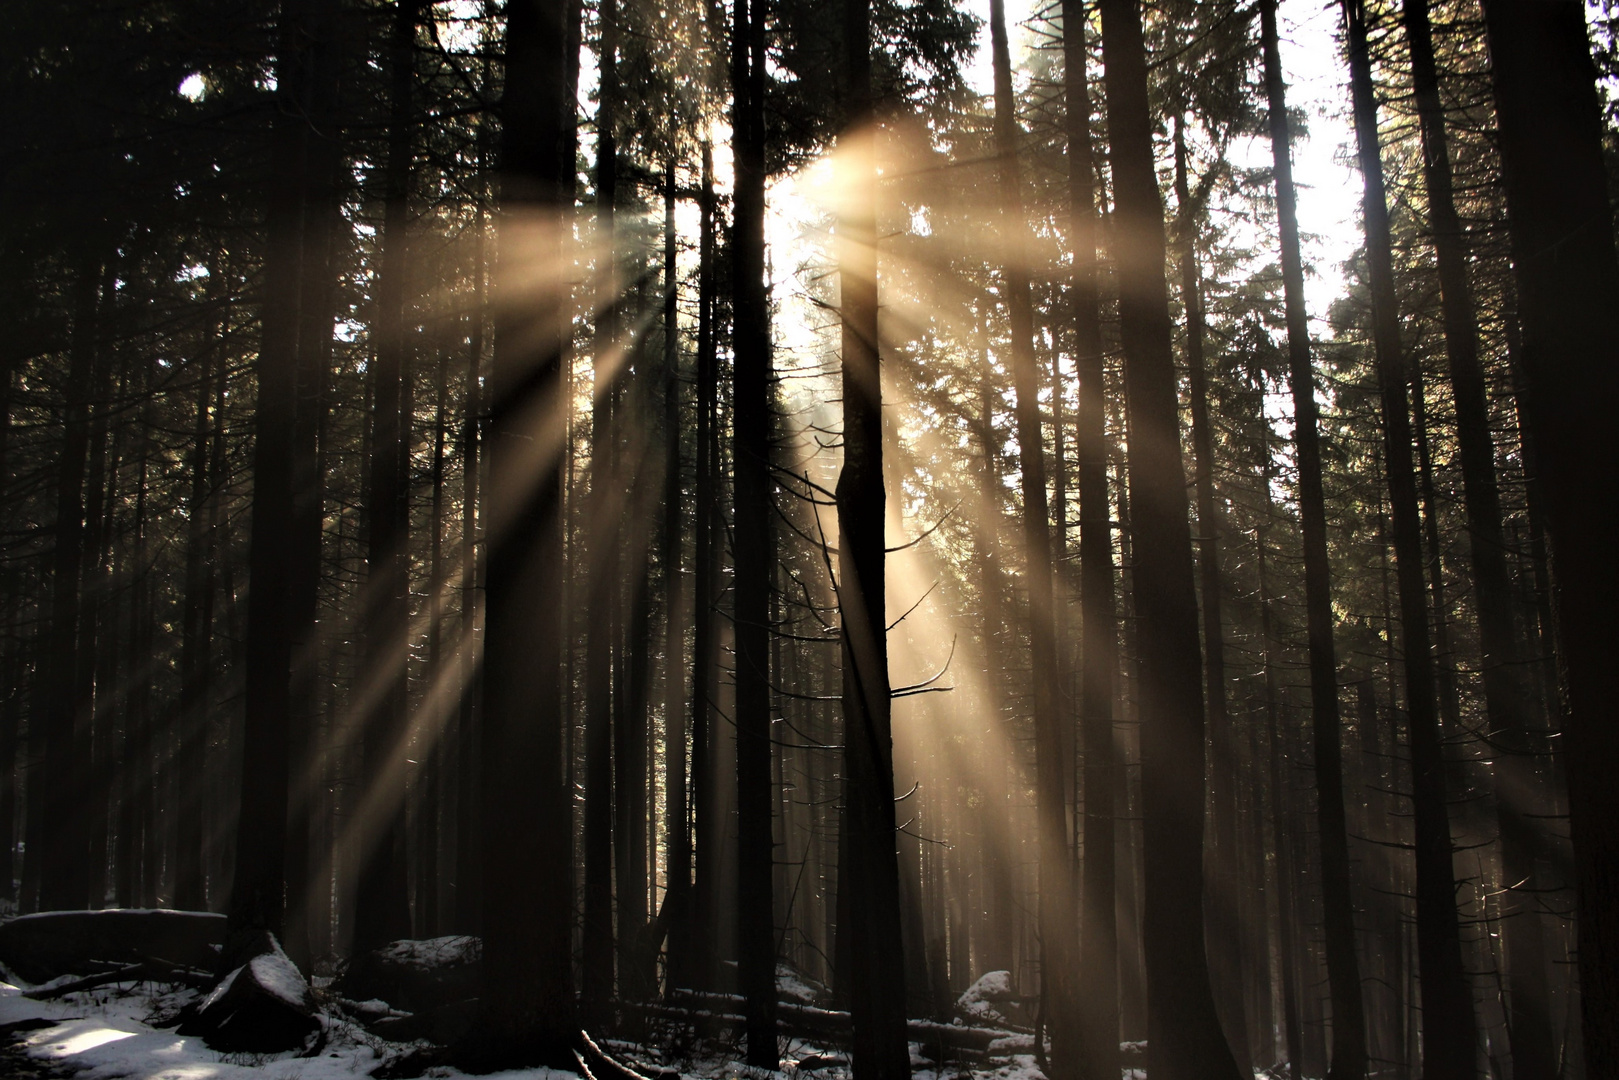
990,1000
795,986
264,1006
416,975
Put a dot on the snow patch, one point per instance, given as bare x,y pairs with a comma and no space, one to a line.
979,1001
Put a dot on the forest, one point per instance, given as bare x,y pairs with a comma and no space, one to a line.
820,539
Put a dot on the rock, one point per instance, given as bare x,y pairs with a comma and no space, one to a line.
417,976
50,944
262,1007
990,1000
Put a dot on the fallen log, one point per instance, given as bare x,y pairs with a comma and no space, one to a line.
50,944
809,1022
144,971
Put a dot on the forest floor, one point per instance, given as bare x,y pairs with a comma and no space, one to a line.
119,1032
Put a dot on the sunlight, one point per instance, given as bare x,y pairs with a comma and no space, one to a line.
86,1036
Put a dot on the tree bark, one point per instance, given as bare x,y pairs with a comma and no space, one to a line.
1098,1020
1056,900
382,911
870,891
64,838
1343,965
692,960
527,996
756,935
602,547
677,857
1567,275
1448,1023
1221,862
1506,693
1184,1036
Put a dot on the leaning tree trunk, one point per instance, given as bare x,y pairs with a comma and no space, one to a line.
1098,1004
870,893
1056,899
527,997
1448,1027
1183,1029
1567,274
1343,964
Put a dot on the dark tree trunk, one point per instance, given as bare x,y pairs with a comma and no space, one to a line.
1183,1029
527,891
1507,694
630,732
995,942
64,836
1567,276
756,935
690,949
433,742
382,901
602,547
1447,1002
870,869
106,563
693,962
1098,1030
1056,900
1343,966
258,891
1222,862
677,872
196,645
468,899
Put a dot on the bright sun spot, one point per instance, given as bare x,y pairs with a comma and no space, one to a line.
88,1040
192,88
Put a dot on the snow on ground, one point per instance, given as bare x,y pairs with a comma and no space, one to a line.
109,1034
104,1035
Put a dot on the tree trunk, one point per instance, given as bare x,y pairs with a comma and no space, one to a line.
1567,275
870,890
527,890
382,912
1506,694
1447,1003
1222,863
1056,900
330,28
64,838
1184,1036
1343,965
432,743
602,544
756,935
196,646
1098,1030
677,857
258,891
468,898
691,943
